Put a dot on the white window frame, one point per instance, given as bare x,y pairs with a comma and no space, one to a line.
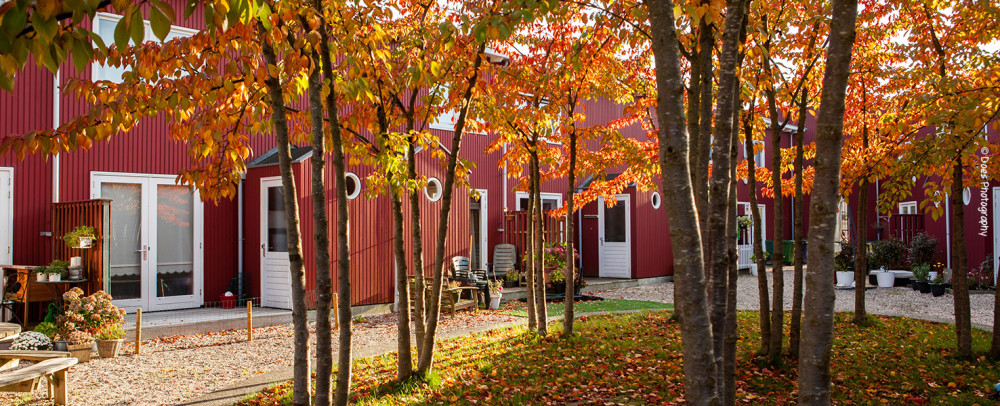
97,69
357,181
966,196
439,193
545,196
759,159
909,207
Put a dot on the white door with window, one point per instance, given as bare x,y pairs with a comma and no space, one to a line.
614,238
7,209
156,241
275,276
996,231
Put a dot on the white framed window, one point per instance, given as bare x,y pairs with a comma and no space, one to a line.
104,26
550,201
908,207
353,185
655,200
433,189
758,157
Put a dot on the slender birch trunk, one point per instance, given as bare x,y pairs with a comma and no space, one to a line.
814,357
798,258
758,238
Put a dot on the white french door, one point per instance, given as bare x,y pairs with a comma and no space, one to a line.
275,276
156,241
996,231
7,209
614,238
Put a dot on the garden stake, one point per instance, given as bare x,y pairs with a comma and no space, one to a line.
249,320
138,331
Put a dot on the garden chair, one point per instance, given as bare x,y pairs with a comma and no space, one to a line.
504,260
51,365
451,298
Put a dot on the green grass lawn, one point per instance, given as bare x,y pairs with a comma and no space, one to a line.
636,359
517,308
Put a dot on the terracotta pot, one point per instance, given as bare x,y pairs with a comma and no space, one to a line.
81,352
109,348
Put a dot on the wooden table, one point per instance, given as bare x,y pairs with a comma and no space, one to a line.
33,290
58,288
9,330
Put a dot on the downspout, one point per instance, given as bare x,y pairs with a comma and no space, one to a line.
55,125
947,230
240,242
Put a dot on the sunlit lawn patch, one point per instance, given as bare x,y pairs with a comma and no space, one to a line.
635,359
608,305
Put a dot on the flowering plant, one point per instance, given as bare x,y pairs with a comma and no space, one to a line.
87,314
981,277
111,332
496,287
31,341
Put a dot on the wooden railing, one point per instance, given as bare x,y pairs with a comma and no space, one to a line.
516,225
97,259
906,226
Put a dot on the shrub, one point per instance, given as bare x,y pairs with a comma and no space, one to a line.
31,341
844,261
982,277
922,248
49,329
85,315
922,271
890,254
111,332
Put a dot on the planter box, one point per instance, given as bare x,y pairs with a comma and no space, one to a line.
109,348
81,352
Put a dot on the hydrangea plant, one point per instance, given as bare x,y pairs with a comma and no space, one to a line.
86,315
31,341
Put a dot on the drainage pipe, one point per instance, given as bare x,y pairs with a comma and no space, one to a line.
239,239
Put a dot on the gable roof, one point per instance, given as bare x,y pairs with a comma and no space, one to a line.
270,157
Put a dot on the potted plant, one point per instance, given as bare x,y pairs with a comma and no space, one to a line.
41,273
109,340
554,256
80,237
885,278
921,273
843,263
937,286
981,278
47,328
512,279
889,254
31,341
84,316
496,292
54,272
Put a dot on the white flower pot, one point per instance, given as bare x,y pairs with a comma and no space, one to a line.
495,301
40,277
85,242
845,278
932,275
885,279
55,277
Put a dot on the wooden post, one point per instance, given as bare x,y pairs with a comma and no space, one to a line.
336,314
249,320
138,331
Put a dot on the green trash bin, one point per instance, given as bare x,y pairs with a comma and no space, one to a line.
787,249
769,249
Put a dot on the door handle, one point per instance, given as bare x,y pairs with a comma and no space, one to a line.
602,240
144,251
263,252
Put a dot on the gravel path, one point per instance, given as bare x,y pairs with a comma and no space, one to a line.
174,369
902,301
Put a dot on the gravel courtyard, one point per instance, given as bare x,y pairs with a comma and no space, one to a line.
172,370
901,301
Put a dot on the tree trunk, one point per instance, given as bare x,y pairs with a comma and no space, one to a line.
706,44
568,313
777,271
721,180
427,357
420,305
301,370
758,238
814,358
960,270
528,266
404,361
343,386
995,341
321,238
678,199
860,243
538,241
694,107
798,258
732,335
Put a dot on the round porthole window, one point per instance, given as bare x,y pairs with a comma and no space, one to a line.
353,185
656,200
967,196
433,189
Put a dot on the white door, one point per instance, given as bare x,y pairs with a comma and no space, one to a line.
7,209
613,238
156,241
275,274
996,232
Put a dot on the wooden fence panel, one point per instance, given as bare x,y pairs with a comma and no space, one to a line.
96,260
516,225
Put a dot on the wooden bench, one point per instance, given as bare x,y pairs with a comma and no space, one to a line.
26,379
11,358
